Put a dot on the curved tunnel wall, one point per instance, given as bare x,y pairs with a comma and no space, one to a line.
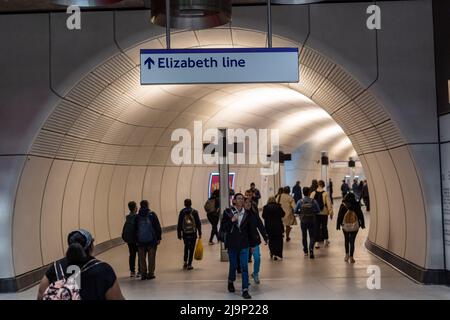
402,168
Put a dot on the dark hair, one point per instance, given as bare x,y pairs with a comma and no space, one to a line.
306,191
252,184
321,183
350,201
216,193
297,182
314,183
144,204
238,194
132,205
80,247
287,189
187,203
280,190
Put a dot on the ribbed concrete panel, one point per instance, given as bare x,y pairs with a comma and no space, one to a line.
160,156
87,90
183,188
84,123
63,117
51,217
46,143
416,220
356,119
316,62
372,108
374,141
169,196
114,68
152,190
117,202
345,82
142,156
112,153
397,216
217,36
134,185
127,154
330,97
69,147
71,202
27,214
180,40
101,223
390,134
87,197
118,133
101,126
383,206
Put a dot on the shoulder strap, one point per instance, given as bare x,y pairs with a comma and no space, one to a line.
90,264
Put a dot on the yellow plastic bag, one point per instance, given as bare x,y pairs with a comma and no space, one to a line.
198,254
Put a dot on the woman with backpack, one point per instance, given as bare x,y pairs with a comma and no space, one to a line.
188,226
97,280
350,219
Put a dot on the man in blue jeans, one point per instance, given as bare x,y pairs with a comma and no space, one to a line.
308,208
240,230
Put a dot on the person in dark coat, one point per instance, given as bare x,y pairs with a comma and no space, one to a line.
297,191
240,232
344,189
212,213
273,221
330,190
350,204
129,237
188,226
147,226
254,246
256,193
365,196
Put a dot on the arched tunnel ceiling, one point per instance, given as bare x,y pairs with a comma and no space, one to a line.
108,117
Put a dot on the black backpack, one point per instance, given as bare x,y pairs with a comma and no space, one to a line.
129,231
307,212
189,226
145,231
319,198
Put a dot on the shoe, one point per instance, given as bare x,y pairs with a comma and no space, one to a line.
231,287
288,239
190,267
256,278
246,295
305,253
185,266
346,258
311,256
326,243
352,260
317,245
132,274
143,277
150,277
275,258
138,275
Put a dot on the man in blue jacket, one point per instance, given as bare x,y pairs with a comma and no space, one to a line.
307,208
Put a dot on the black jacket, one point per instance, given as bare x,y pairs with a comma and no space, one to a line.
198,224
155,223
129,229
259,227
343,210
238,237
273,219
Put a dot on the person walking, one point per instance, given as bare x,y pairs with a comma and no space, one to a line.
326,209
330,190
212,213
297,191
239,232
365,196
255,251
129,237
308,209
273,222
288,205
148,234
344,189
350,219
256,193
188,226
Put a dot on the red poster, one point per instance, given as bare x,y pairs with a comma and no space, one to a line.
214,182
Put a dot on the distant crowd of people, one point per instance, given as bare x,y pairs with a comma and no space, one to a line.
241,230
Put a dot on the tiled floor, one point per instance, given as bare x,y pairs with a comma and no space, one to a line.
296,277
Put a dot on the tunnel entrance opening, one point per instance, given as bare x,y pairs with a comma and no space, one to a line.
108,141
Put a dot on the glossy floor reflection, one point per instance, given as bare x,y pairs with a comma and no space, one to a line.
296,277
